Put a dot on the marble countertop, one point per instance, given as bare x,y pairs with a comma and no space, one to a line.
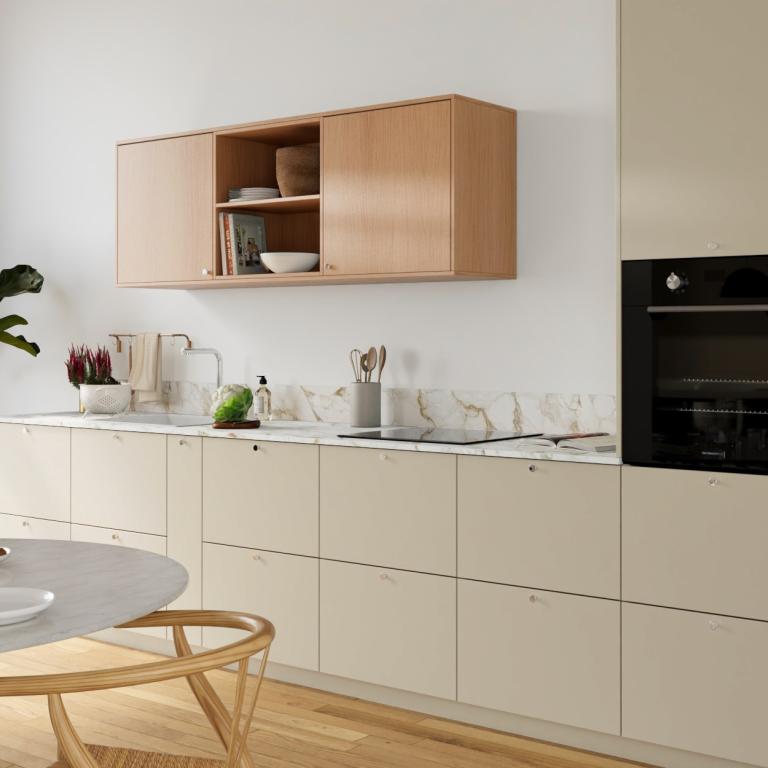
314,433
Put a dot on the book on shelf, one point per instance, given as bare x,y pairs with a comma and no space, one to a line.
243,237
587,442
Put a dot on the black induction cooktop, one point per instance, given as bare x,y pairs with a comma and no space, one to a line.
447,436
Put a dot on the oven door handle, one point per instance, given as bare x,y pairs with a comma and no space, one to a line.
657,310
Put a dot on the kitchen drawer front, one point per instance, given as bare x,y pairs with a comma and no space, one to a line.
389,627
695,540
118,480
281,588
185,520
695,681
261,494
388,508
541,654
544,524
17,527
130,539
34,471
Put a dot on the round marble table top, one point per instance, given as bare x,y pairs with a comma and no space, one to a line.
97,586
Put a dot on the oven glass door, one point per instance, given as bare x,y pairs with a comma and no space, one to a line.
710,387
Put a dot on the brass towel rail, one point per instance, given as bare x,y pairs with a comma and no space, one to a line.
118,337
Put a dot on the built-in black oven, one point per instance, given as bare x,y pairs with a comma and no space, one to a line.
695,363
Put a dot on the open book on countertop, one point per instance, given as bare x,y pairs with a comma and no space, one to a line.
588,442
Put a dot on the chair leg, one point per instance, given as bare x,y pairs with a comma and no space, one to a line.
210,703
70,748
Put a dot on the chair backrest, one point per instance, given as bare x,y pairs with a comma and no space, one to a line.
232,729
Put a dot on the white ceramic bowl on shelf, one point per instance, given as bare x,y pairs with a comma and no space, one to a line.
105,398
290,261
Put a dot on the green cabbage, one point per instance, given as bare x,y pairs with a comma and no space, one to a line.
231,403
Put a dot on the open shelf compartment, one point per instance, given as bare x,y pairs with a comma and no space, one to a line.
246,157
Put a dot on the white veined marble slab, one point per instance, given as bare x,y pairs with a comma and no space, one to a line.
97,586
315,433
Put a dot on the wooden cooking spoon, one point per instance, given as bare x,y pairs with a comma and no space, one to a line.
370,360
382,359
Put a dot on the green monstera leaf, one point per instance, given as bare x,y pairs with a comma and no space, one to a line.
19,279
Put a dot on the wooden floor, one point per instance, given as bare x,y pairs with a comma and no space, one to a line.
294,727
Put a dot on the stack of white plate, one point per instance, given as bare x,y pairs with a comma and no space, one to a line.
253,193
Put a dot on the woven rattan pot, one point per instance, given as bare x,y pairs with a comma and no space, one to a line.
298,170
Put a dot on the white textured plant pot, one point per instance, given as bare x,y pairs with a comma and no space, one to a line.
365,404
105,398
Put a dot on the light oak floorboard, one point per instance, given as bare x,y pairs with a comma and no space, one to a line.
293,727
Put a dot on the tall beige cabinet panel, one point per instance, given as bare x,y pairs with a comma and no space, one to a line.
694,154
165,210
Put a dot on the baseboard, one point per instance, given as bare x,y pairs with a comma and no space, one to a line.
617,746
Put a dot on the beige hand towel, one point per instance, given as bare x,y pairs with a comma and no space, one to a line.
146,376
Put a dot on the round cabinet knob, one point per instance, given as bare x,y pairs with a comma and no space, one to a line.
531,598
205,271
712,245
255,447
382,457
712,481
25,523
182,441
531,467
115,537
115,437
384,576
25,430
257,558
330,267
713,625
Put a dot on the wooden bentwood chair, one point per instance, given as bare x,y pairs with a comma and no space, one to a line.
231,731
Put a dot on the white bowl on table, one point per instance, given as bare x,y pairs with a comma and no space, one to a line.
290,261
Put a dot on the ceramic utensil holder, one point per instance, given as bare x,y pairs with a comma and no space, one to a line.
365,404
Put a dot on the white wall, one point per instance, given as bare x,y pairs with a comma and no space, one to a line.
75,76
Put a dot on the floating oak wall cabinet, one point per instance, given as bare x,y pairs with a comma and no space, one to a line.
416,190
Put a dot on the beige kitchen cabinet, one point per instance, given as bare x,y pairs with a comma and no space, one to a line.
282,588
34,471
18,527
695,540
119,480
544,524
388,627
130,539
390,508
693,154
261,494
165,215
185,520
695,681
540,654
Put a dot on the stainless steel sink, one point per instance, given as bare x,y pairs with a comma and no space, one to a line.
167,419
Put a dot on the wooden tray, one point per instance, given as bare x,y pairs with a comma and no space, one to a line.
254,424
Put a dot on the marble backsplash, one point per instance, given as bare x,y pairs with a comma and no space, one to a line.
517,411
